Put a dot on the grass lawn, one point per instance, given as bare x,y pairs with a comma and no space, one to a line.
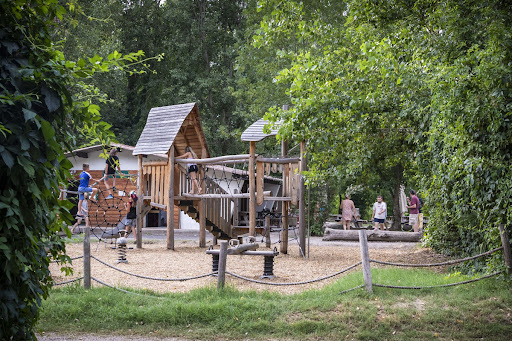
480,310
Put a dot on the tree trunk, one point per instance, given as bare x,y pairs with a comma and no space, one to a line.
373,235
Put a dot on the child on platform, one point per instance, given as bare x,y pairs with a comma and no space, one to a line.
192,169
110,171
83,187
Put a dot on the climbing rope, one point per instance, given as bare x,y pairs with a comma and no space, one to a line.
106,213
154,278
295,283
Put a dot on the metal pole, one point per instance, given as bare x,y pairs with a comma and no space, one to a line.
221,279
87,258
365,259
506,248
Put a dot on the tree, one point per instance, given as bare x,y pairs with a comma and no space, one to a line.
40,118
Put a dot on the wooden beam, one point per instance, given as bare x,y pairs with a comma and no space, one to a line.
170,206
202,223
214,159
185,196
302,200
155,163
259,183
139,204
280,160
284,205
252,189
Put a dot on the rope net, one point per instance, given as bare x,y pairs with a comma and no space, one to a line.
106,212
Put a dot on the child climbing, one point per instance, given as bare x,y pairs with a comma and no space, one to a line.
110,171
131,216
192,169
83,187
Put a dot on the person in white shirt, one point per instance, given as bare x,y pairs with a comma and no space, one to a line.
379,212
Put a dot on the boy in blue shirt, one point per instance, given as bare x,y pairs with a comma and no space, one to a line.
83,187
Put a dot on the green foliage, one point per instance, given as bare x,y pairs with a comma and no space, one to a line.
405,92
41,117
197,39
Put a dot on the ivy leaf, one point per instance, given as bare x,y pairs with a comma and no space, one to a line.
51,98
28,114
8,159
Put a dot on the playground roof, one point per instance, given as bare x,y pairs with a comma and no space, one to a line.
176,125
255,131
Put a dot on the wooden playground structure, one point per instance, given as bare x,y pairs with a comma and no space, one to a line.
163,183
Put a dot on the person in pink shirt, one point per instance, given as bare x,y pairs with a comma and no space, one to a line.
414,210
348,211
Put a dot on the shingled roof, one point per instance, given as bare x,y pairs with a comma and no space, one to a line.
168,125
255,131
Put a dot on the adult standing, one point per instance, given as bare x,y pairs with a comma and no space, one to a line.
414,210
379,212
348,211
110,171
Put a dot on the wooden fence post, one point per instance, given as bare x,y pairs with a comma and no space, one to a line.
87,258
267,231
365,259
506,248
221,278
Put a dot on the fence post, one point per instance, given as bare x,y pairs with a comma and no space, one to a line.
506,248
221,278
365,259
87,258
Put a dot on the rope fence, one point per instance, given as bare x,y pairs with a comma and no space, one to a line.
295,283
224,251
70,281
450,262
154,278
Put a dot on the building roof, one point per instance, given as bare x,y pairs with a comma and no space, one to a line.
83,152
174,124
255,131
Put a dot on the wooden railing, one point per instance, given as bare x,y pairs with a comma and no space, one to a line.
155,182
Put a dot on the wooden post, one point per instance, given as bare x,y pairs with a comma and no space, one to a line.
202,223
252,189
221,278
506,248
139,204
302,200
267,231
284,204
170,206
87,258
365,259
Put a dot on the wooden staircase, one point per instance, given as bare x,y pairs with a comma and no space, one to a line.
218,211
192,210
